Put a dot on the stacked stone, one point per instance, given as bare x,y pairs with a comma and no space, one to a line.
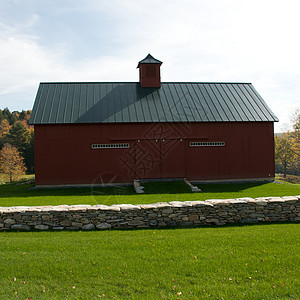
172,214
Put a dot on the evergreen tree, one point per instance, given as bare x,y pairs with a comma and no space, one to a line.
4,127
23,115
19,137
6,114
29,156
13,118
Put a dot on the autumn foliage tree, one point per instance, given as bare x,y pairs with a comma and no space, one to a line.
21,137
287,147
296,128
285,151
11,163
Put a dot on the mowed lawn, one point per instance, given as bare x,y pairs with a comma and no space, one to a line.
238,262
12,195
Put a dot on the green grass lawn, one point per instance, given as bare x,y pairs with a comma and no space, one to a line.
5,179
240,262
12,195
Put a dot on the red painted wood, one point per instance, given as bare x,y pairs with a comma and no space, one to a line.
150,75
63,153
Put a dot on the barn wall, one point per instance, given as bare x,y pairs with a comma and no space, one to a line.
63,153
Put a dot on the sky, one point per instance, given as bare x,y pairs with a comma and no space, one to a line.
253,41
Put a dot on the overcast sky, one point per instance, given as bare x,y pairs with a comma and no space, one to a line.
253,41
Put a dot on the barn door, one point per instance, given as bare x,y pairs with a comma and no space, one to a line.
159,158
148,159
172,158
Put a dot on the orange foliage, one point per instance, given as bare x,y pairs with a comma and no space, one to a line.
11,163
4,127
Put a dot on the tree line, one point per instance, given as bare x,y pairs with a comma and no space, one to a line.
16,143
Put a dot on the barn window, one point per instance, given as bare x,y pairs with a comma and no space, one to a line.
207,144
110,146
150,71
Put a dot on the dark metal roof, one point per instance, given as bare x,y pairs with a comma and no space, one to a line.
119,102
149,59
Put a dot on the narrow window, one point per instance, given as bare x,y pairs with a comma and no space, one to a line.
110,146
207,144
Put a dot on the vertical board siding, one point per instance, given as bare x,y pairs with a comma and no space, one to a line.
63,153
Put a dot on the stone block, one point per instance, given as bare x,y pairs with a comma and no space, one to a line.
249,220
193,218
153,222
85,221
20,227
9,221
129,207
58,228
152,215
185,224
103,226
212,220
136,223
171,223
88,227
65,223
161,224
72,228
167,211
41,227
173,216
115,220
76,224
255,216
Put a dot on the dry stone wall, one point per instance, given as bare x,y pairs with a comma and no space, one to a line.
172,214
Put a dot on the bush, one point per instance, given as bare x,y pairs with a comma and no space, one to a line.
290,178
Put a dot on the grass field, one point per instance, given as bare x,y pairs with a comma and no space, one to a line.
241,262
234,262
12,195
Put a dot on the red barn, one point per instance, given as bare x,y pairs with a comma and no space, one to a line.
115,132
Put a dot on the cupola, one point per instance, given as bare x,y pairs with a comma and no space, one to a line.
149,71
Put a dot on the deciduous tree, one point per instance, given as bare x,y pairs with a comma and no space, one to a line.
285,151
11,163
287,146
296,127
21,137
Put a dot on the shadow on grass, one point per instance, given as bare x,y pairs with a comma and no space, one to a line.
166,187
12,190
229,187
228,225
180,187
161,187
157,229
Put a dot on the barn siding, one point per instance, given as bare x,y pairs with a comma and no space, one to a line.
63,153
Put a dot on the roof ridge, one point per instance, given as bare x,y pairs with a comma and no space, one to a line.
149,59
123,82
